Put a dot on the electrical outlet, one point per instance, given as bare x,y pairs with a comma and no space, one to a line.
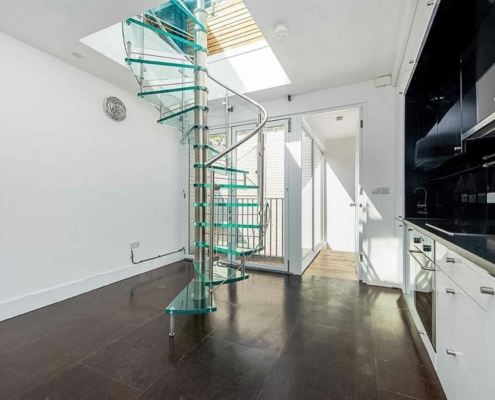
134,245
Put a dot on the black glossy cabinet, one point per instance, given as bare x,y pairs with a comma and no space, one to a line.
477,64
451,94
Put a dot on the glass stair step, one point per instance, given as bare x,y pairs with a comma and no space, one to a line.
229,225
220,274
227,186
227,204
156,71
189,301
171,97
239,251
143,35
180,117
180,40
221,168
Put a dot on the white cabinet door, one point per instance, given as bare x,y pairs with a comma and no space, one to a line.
421,20
461,341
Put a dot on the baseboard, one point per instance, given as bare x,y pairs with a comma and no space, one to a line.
23,304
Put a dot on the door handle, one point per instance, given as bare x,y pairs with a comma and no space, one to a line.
353,204
450,291
487,290
451,352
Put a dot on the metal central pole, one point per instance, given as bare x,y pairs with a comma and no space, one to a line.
201,140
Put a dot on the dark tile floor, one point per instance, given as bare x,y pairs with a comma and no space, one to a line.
273,337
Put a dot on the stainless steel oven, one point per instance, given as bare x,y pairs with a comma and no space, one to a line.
422,281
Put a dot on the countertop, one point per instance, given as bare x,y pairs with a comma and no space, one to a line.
477,249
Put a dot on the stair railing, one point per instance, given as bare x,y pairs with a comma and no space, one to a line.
262,120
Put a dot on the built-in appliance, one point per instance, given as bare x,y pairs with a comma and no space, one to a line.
420,289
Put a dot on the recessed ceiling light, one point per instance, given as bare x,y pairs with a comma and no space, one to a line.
77,55
340,118
281,32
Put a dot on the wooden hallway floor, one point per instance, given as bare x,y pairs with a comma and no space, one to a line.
334,264
273,337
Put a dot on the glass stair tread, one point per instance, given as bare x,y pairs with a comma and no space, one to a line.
177,38
227,204
146,34
220,274
238,251
223,169
189,13
180,117
227,186
185,303
158,71
169,98
229,225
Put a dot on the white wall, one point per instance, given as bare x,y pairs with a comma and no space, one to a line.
378,170
76,186
340,157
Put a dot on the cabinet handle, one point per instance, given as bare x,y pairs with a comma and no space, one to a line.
421,332
410,230
451,352
411,61
411,252
400,226
450,260
487,290
430,3
450,291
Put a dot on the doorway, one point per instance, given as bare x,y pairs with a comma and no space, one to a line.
245,157
339,133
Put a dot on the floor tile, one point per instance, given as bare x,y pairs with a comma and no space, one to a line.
343,287
387,297
407,372
387,395
215,369
316,377
146,354
264,323
311,341
82,383
41,360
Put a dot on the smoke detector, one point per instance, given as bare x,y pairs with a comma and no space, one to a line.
281,32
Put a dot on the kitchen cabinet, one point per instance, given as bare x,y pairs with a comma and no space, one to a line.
478,70
452,302
462,329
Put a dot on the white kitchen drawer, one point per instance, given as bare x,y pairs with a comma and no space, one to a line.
468,276
462,329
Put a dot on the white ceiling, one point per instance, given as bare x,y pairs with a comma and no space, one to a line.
326,126
55,27
332,42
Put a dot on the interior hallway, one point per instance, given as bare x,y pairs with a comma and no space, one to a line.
273,337
334,264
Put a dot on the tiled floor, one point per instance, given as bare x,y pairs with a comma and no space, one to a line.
273,337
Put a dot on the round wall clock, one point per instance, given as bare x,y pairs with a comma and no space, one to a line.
114,108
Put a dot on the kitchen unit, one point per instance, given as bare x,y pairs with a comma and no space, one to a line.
452,302
446,197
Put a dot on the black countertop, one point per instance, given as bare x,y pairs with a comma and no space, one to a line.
476,248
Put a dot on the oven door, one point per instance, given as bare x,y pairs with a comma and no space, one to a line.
424,275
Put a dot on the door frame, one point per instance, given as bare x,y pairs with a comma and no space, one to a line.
271,123
360,197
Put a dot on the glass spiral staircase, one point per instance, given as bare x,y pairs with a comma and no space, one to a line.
166,50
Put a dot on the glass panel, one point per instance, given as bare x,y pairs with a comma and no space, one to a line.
318,195
186,303
307,194
273,254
